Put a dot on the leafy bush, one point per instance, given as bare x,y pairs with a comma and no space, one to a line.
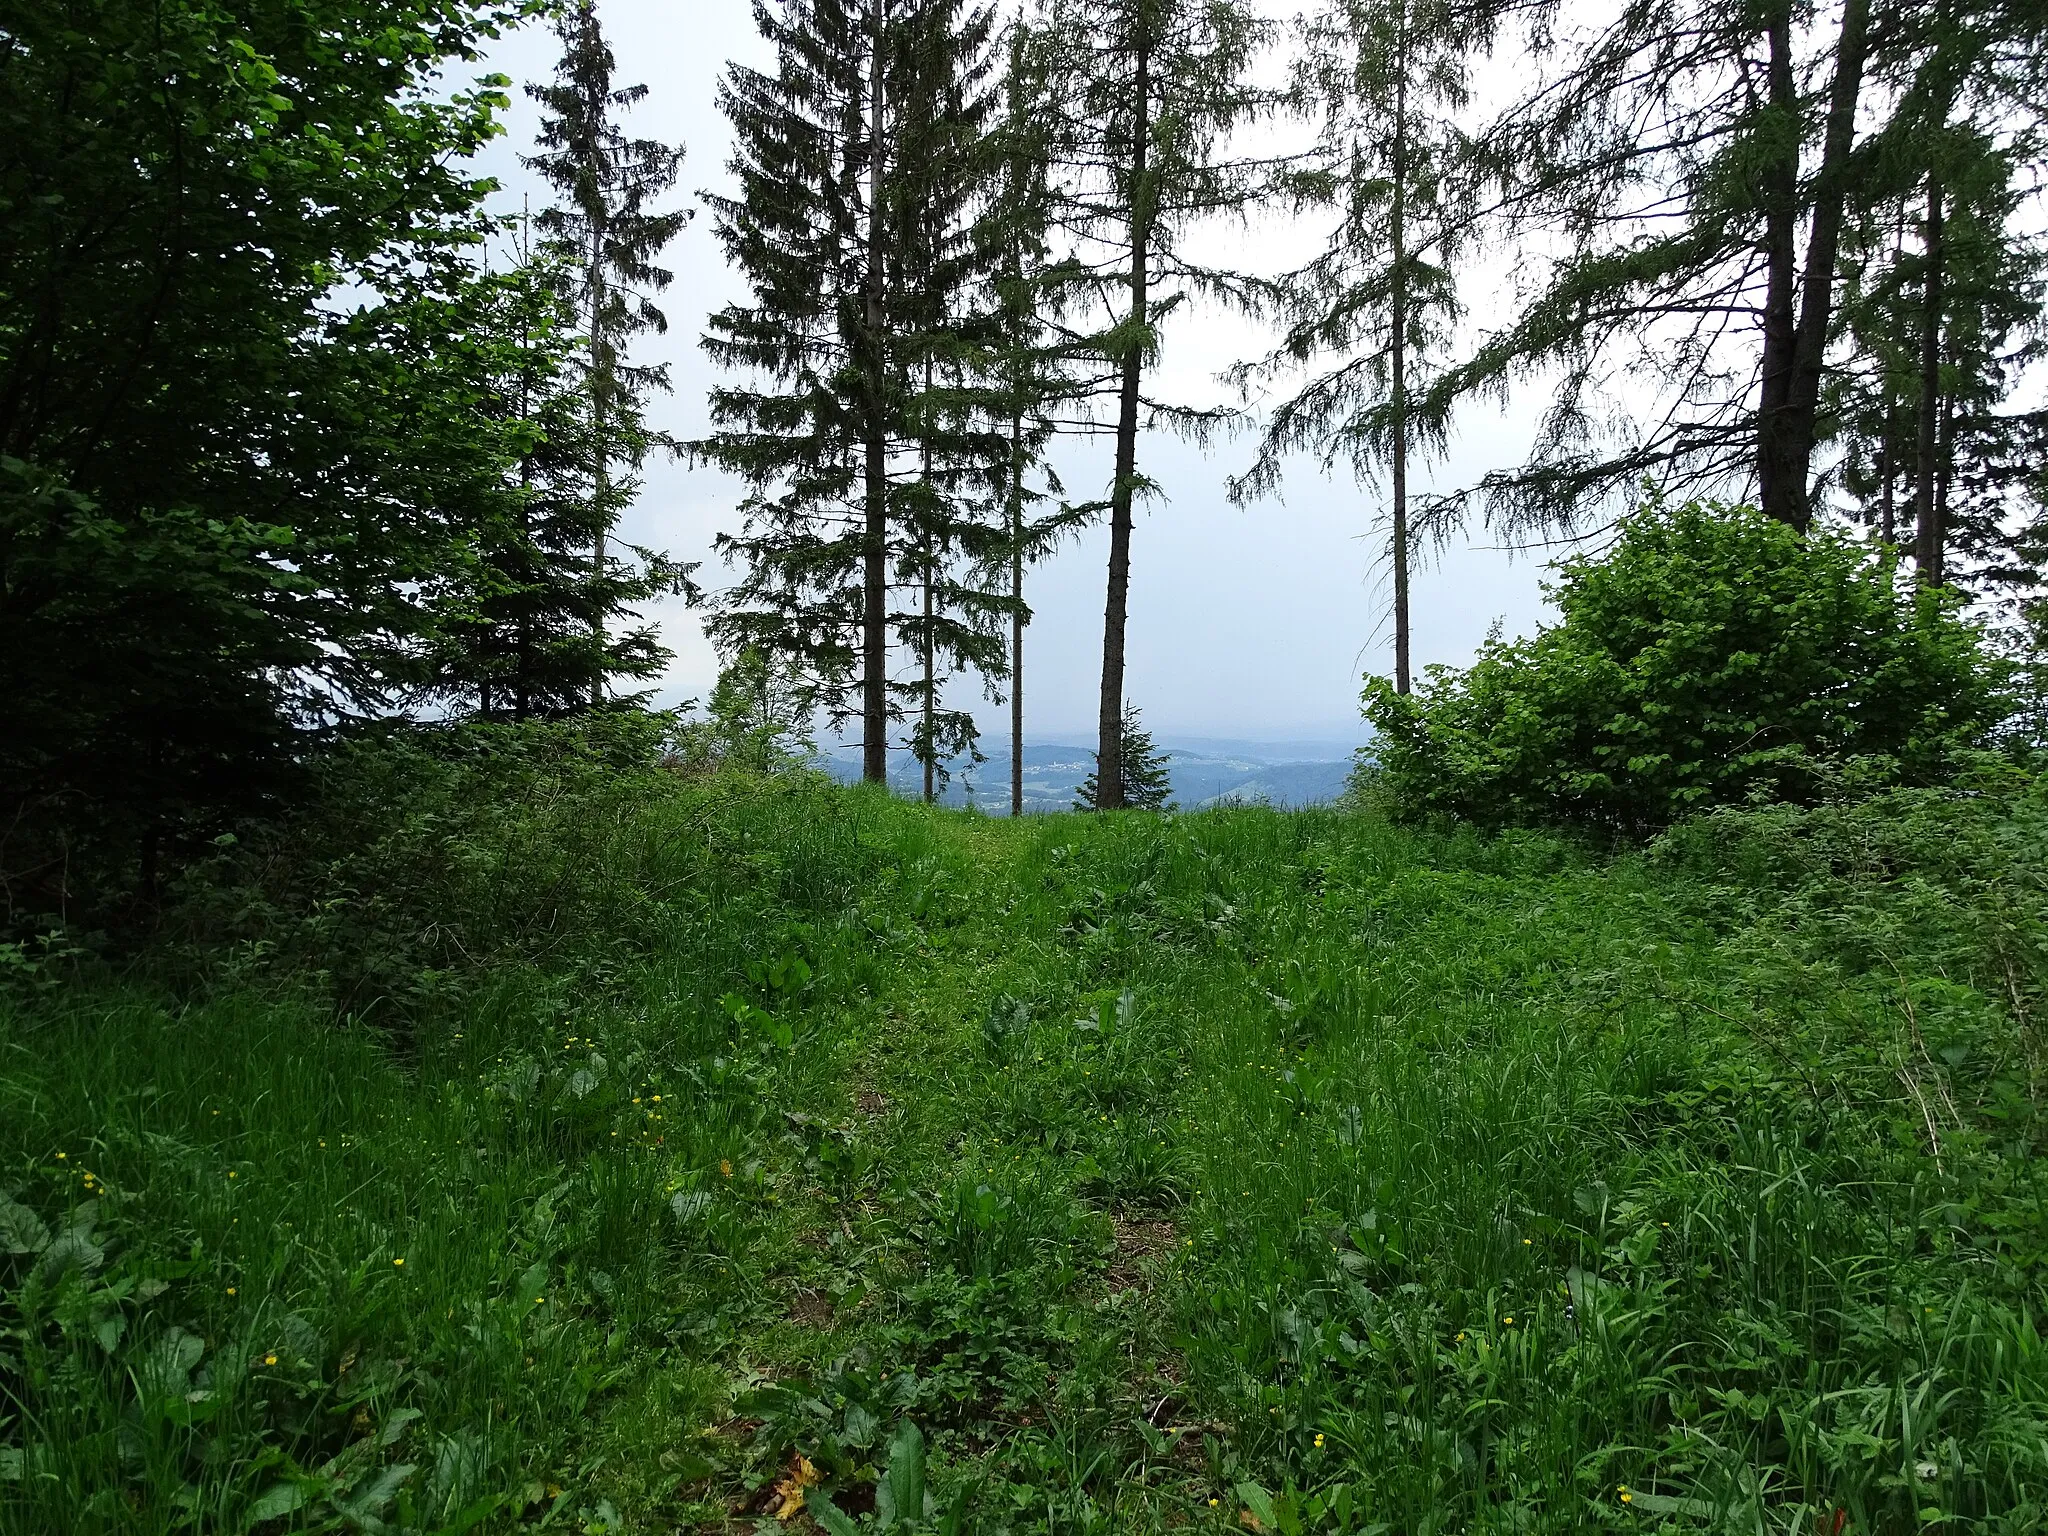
1710,656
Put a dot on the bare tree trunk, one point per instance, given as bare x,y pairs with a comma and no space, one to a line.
522,681
1888,454
1887,474
1929,535
1017,620
1109,758
1398,356
1781,234
931,686
1823,246
600,376
1785,438
874,544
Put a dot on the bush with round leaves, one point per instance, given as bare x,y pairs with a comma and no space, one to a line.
1710,655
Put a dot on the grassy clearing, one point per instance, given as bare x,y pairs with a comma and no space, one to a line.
1164,1172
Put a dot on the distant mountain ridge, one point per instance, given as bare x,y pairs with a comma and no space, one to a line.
1205,771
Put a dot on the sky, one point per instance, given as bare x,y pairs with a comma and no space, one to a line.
1249,623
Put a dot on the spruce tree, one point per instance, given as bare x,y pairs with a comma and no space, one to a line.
1147,779
1140,98
1032,375
1942,304
857,419
945,244
1380,302
525,621
608,184
1929,439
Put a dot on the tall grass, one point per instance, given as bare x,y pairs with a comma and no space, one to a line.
1297,1169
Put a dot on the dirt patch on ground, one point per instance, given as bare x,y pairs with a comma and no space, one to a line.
1139,1247
871,1104
811,1309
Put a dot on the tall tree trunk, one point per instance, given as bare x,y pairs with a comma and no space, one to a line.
1109,757
1780,195
1785,446
1823,246
1929,535
1398,355
522,677
600,374
1888,452
926,553
931,749
1016,615
1944,472
874,544
1887,477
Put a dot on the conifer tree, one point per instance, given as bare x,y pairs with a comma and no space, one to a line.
1378,304
525,621
858,422
1033,375
608,184
1140,97
944,239
1148,780
1942,302
1681,174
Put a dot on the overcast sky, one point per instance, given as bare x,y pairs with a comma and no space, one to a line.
1244,623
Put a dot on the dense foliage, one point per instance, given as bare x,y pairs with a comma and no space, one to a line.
1710,655
187,560
276,448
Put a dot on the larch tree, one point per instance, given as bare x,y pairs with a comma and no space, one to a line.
1379,303
608,184
1681,174
1140,98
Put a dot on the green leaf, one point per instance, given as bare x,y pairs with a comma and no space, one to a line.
371,1497
21,1230
532,1286
279,1501
1664,1504
901,1495
1260,1503
826,1513
689,1204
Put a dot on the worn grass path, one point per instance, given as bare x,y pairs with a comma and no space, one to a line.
947,1260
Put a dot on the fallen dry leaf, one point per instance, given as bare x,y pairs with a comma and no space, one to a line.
790,1490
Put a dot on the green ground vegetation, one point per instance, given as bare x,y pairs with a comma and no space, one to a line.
587,1142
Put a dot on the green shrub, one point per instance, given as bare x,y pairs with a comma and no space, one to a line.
425,857
1710,656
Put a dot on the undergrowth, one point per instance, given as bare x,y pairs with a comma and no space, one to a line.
537,1137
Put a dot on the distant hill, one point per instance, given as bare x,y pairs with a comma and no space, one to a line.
1205,771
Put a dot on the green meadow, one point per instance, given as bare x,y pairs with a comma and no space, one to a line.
627,1151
